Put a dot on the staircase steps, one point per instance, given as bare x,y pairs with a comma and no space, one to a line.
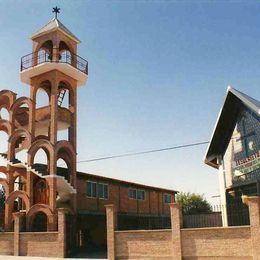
61,96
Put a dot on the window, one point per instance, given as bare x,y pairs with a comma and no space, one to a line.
97,190
167,198
140,194
132,194
102,191
136,194
91,189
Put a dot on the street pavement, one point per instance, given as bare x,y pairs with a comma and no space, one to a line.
42,258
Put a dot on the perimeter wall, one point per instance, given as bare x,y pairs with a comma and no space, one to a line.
224,243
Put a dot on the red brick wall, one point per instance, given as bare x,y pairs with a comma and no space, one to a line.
118,195
152,245
39,244
220,243
197,244
6,243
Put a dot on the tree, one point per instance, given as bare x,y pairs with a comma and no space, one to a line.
193,203
2,198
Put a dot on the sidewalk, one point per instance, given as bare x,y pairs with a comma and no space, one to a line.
41,258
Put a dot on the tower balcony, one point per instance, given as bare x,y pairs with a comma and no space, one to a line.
37,63
43,119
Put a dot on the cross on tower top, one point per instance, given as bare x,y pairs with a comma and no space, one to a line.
56,10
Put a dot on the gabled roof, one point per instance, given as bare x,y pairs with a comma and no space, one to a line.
54,25
226,123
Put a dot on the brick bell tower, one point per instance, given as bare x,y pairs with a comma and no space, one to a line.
55,68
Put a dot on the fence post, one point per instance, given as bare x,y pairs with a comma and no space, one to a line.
62,231
176,222
254,215
111,226
17,227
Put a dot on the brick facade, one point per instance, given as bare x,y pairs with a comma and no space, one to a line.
153,203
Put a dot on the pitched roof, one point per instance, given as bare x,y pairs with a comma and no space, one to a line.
226,123
54,25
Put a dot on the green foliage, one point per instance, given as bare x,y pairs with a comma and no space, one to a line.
2,199
193,203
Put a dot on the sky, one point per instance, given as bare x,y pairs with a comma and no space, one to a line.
158,74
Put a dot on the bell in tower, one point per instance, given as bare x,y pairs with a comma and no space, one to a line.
55,69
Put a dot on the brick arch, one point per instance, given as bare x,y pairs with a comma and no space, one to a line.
22,179
7,98
6,126
65,151
18,133
21,101
44,85
18,194
41,137
66,147
40,144
40,208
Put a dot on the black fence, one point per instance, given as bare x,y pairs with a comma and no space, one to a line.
213,219
33,59
126,222
237,215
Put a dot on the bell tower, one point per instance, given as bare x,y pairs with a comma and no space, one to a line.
55,68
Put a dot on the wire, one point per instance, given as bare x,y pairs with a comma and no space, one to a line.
143,152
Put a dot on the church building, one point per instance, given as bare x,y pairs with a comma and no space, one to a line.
234,150
37,193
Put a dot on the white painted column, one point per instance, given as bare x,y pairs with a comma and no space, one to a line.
222,190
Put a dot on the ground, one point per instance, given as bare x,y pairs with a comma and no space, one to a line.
42,258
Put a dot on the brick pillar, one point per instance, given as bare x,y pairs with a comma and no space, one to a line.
111,226
17,226
62,231
176,222
254,214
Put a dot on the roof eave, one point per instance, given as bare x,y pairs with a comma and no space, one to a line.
37,35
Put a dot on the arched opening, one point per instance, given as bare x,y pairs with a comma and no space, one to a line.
44,54
4,114
19,185
40,222
20,152
65,55
63,169
40,192
3,142
43,94
21,115
41,162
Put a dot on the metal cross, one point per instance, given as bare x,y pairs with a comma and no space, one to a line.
56,10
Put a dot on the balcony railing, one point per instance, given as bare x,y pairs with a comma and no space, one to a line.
248,177
36,58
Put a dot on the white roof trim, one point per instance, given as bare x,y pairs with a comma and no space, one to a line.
251,103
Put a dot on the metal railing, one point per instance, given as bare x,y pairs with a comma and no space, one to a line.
36,58
140,222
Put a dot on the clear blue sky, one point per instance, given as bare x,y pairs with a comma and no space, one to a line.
158,73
